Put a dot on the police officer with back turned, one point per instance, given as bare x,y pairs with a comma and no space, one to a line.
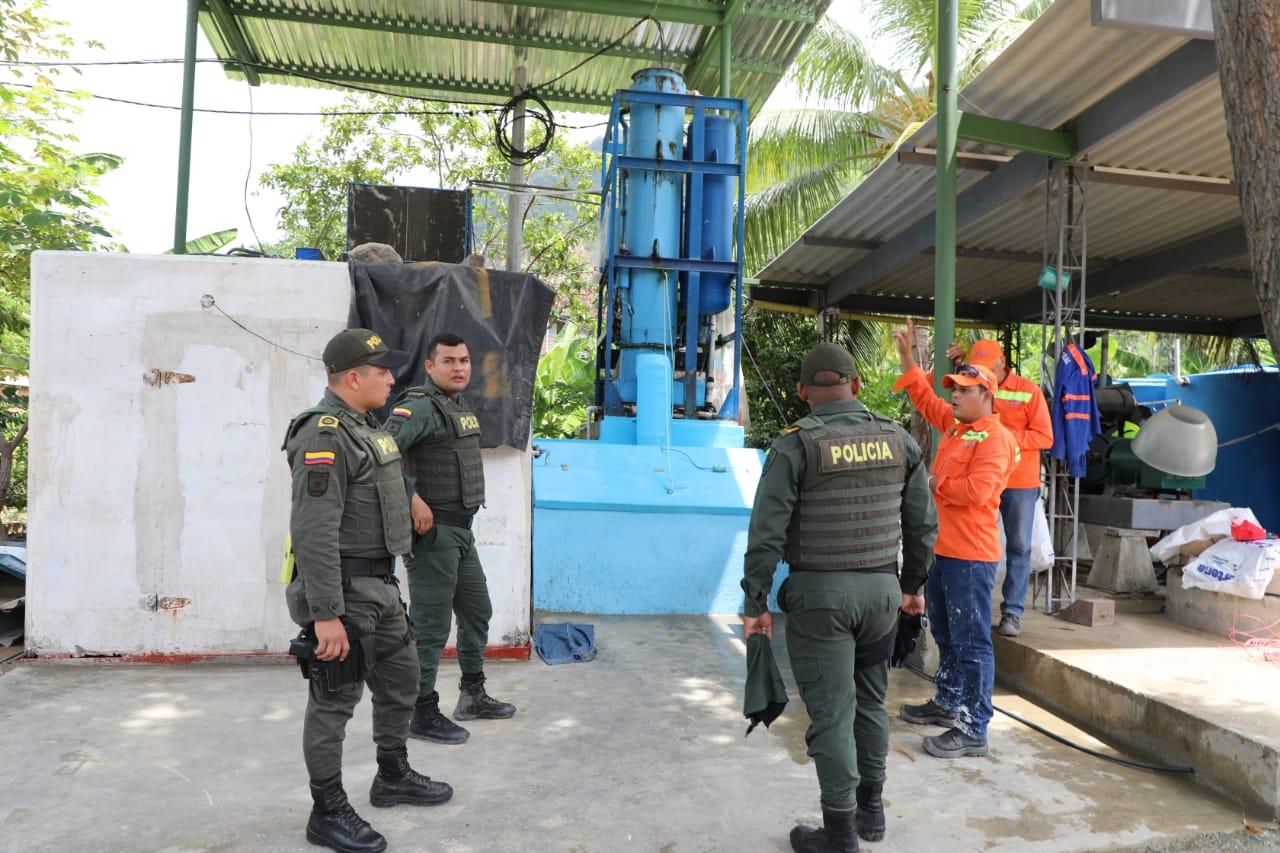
350,518
839,489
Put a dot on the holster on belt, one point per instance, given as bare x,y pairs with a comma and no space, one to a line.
330,676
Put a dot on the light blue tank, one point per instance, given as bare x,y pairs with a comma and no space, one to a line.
651,228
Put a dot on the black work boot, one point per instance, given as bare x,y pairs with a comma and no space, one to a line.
475,704
335,824
928,714
870,814
835,836
954,743
397,782
429,724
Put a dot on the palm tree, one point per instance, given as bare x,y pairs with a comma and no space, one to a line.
804,160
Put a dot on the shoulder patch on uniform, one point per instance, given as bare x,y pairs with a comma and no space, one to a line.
319,457
327,422
790,429
402,412
318,482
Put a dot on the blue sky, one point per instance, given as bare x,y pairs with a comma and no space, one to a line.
140,195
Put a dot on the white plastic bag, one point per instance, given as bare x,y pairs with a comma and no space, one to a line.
1041,544
1216,525
1242,569
1041,541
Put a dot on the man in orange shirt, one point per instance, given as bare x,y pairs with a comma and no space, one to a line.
975,457
1022,410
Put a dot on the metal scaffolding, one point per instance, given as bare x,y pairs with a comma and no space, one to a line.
1062,318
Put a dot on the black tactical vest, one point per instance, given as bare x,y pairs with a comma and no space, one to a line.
450,470
375,512
849,515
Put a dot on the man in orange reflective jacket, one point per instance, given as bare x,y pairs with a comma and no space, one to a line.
1022,410
975,458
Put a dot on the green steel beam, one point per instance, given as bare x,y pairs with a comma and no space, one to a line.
499,91
184,132
1059,144
944,234
360,21
672,11
229,27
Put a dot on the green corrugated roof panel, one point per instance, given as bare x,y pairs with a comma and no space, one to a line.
469,49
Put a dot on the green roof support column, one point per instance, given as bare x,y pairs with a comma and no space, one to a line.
944,259
184,136
726,58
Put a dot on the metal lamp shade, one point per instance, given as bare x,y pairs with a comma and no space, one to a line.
1179,440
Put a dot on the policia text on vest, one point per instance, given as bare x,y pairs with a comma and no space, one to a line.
839,490
350,518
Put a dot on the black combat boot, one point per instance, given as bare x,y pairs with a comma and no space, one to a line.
429,724
397,782
835,836
870,814
475,704
335,824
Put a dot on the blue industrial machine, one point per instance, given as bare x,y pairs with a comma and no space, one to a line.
651,516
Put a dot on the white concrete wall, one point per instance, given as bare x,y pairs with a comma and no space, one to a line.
179,494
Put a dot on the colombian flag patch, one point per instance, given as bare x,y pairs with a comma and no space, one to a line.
318,457
402,412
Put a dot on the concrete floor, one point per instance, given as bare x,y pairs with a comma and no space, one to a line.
1148,683
641,750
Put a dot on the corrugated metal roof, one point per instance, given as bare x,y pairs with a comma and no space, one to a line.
469,49
1052,74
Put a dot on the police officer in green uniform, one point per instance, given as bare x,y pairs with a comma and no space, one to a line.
839,489
440,439
350,519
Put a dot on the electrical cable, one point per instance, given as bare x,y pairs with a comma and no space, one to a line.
1114,759
544,115
289,113
207,301
248,174
763,381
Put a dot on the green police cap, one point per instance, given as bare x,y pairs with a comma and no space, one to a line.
831,357
358,347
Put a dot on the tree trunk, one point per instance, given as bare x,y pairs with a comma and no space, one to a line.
7,449
1248,43
919,427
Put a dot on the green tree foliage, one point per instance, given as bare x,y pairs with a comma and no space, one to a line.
804,160
564,385
775,346
47,201
47,198
452,152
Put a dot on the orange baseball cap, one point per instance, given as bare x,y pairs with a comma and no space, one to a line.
986,352
967,375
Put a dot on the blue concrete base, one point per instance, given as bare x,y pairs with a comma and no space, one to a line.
639,529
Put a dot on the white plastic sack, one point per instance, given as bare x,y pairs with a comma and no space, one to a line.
1242,569
1041,541
1216,525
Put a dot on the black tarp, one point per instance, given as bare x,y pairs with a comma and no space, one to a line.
501,315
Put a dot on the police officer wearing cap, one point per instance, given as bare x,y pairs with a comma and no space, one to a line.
840,489
350,519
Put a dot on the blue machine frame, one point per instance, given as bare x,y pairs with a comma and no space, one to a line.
614,163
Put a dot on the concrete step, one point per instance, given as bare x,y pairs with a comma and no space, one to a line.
1150,685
